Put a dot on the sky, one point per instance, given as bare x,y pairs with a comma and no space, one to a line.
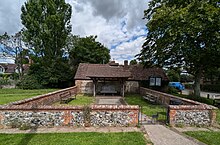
117,23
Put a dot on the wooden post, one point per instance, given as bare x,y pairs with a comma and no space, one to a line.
94,88
123,88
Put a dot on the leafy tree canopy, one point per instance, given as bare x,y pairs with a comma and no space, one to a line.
87,50
46,26
183,33
133,62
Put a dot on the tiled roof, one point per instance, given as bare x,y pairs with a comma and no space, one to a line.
133,72
140,73
85,71
10,68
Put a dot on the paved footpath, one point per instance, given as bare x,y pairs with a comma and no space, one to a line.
72,129
160,135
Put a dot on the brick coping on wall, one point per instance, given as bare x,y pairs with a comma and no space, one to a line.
93,107
192,107
40,96
195,104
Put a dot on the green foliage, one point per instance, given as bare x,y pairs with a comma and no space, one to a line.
195,98
172,90
211,88
46,26
173,76
186,78
56,75
207,137
212,75
29,82
133,62
87,50
183,33
11,95
188,86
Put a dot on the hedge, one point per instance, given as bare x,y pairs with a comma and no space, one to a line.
211,88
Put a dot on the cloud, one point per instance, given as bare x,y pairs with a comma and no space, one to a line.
117,23
10,11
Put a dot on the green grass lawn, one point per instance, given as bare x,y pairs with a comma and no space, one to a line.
147,107
79,101
11,95
210,138
81,138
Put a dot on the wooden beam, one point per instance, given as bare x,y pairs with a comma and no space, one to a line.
123,90
94,87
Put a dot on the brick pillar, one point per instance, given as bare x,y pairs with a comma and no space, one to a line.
67,118
171,118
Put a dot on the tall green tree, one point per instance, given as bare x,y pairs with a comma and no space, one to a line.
87,50
46,28
183,33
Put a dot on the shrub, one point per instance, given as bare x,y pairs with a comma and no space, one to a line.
211,88
29,82
198,99
188,86
172,90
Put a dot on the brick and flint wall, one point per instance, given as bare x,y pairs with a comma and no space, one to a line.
188,113
49,116
39,112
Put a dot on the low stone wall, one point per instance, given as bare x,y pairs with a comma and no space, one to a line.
188,113
164,98
198,115
49,116
46,99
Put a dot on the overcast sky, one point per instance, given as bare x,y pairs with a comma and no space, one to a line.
117,23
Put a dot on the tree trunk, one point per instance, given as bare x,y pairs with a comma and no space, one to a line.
198,76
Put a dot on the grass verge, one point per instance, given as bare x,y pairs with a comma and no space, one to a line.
11,95
209,138
79,101
81,138
147,107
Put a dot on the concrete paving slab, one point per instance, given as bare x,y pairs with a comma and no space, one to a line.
160,135
109,101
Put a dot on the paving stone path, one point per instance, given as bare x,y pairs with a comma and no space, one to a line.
110,100
160,135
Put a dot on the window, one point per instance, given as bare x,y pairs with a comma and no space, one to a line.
155,81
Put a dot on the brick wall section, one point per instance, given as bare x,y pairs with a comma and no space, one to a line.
46,99
165,98
100,115
189,113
